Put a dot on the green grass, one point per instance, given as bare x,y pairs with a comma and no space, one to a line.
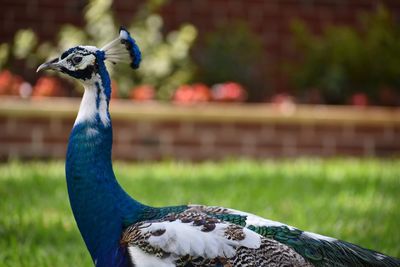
354,200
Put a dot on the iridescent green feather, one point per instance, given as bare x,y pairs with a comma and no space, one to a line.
150,213
233,218
320,252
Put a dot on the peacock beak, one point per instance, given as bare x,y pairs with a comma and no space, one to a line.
50,65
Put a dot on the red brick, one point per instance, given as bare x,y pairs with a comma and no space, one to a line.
14,139
370,131
288,129
148,141
349,151
199,140
193,141
52,140
336,130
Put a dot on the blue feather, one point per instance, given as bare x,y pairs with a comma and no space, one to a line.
132,47
102,70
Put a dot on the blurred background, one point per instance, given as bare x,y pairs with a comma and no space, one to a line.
287,109
303,77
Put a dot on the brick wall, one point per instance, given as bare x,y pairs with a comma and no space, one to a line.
270,19
40,129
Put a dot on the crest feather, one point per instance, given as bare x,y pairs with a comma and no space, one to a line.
123,49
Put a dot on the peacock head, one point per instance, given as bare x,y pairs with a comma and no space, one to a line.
84,62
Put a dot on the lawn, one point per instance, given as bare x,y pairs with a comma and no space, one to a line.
354,200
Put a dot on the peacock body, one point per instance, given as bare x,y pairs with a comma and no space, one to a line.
120,231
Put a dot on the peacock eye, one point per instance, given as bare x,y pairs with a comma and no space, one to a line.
76,60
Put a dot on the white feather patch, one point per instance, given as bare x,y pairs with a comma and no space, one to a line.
186,239
88,108
123,34
251,240
90,48
142,259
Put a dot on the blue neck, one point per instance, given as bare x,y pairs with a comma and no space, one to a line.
99,204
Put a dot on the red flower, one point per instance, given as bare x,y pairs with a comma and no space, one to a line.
228,92
201,92
9,83
48,86
189,94
143,93
184,94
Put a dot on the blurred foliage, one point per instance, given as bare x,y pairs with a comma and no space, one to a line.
166,61
344,61
232,53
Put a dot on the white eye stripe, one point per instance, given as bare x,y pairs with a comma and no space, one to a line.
77,61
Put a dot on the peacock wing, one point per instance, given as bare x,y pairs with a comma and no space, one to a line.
194,238
318,249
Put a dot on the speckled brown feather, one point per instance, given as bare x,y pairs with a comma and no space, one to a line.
270,252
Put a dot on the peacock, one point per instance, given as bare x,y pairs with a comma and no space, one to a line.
119,231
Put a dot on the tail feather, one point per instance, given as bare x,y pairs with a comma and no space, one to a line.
325,251
341,253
